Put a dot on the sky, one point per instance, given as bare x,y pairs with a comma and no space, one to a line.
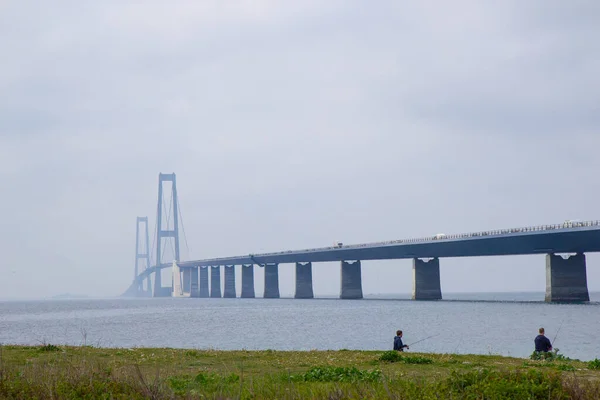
291,125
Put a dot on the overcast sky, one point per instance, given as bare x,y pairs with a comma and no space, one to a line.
291,124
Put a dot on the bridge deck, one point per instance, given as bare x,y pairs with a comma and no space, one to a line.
581,237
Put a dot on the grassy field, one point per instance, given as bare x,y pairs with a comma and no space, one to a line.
50,372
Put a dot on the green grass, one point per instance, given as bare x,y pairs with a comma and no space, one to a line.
48,371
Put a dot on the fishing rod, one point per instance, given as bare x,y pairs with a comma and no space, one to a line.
428,337
561,324
459,342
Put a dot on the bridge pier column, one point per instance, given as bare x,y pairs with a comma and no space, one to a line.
194,292
229,281
149,286
566,279
203,285
271,281
426,279
160,291
304,289
248,281
351,285
157,283
215,281
187,280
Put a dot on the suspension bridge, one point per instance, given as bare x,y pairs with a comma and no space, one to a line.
564,246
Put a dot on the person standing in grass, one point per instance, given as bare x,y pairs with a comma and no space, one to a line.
398,345
542,343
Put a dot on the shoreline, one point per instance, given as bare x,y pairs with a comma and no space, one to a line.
60,371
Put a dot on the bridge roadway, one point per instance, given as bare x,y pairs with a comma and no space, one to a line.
574,238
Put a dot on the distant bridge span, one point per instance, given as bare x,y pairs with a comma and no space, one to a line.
553,240
566,277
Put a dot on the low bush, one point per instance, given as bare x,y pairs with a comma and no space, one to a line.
549,356
395,356
338,374
49,348
390,356
594,364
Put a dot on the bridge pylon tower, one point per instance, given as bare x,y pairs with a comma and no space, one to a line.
142,253
172,235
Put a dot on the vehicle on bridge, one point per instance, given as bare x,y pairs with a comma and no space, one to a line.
337,244
570,223
439,236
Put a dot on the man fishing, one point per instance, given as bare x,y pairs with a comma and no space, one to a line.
542,343
398,345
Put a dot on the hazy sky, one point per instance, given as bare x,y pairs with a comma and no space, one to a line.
291,125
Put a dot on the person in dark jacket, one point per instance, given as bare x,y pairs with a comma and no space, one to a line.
542,343
398,345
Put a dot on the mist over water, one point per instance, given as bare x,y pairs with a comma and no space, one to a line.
496,323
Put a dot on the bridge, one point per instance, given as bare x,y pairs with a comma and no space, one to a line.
563,244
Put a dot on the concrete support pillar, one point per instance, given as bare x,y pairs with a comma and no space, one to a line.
187,280
271,281
566,279
351,287
248,281
157,283
160,291
229,281
215,281
194,289
149,285
203,290
426,279
304,289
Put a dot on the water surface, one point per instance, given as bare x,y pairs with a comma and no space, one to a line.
503,324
